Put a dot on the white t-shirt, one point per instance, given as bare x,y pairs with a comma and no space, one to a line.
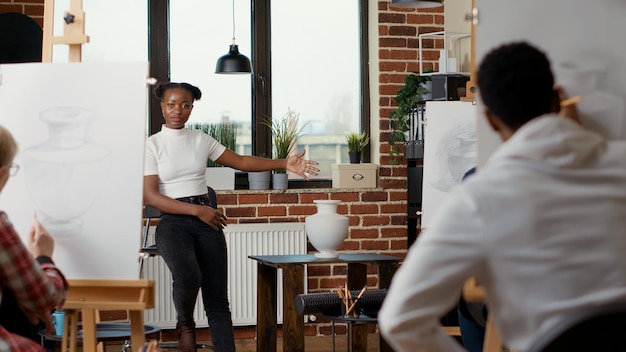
179,158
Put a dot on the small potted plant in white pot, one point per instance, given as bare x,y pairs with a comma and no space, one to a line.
285,135
356,143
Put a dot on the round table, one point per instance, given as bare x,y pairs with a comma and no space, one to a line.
104,332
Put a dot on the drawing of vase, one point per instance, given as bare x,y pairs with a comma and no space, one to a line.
65,175
326,229
455,154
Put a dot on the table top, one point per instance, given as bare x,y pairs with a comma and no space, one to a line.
278,260
361,319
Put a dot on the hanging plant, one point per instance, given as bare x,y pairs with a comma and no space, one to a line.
407,98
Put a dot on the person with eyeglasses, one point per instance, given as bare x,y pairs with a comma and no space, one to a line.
27,271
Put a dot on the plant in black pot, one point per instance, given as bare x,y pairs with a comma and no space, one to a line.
285,135
356,143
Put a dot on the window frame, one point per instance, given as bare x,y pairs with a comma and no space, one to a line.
261,78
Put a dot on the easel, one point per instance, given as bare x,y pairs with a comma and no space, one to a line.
90,296
73,30
470,86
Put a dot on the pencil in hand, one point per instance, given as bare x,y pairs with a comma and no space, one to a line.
571,101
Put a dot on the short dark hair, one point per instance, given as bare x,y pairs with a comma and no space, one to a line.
160,89
516,83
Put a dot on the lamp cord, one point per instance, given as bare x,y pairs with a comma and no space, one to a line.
233,22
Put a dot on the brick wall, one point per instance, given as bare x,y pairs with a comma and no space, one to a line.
398,50
32,8
377,220
377,217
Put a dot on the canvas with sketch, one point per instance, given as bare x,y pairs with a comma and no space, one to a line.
81,129
588,61
449,151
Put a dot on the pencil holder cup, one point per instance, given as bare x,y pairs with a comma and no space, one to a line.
346,304
58,320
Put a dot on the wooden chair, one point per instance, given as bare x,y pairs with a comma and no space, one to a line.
472,292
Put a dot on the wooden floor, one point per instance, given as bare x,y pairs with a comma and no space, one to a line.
311,344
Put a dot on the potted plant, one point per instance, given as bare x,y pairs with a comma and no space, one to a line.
285,134
407,98
356,143
217,176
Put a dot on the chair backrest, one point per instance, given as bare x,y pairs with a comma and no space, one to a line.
597,328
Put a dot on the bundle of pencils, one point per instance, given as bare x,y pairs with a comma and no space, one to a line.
350,302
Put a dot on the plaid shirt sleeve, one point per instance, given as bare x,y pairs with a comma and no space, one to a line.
37,287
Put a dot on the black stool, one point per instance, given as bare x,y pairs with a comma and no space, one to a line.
330,305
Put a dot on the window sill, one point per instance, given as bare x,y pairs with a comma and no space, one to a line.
299,190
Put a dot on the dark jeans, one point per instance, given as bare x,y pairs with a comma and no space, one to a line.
472,320
196,256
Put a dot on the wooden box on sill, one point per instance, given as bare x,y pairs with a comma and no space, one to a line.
355,175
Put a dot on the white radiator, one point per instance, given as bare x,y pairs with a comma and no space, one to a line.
242,240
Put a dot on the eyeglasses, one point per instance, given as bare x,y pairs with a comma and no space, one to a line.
13,169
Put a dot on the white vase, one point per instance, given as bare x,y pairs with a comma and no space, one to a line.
326,229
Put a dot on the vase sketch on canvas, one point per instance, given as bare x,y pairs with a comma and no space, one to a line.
455,154
75,170
450,150
599,109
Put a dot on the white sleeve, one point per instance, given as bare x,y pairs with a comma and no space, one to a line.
150,166
429,282
215,148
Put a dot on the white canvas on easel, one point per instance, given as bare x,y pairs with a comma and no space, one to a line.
449,151
583,39
98,190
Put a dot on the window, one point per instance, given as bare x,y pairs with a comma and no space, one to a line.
315,72
311,64
200,32
116,30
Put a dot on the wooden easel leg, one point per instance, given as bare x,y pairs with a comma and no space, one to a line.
48,28
70,331
137,332
89,330
492,343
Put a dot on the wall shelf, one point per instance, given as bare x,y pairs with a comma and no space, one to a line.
450,40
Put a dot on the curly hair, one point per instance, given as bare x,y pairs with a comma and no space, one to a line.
160,89
8,146
516,83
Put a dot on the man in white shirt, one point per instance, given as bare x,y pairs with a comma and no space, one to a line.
541,226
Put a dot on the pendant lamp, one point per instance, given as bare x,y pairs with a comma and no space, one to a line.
416,3
233,62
